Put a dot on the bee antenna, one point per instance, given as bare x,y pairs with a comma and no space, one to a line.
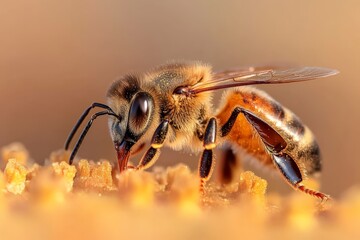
108,111
85,131
81,119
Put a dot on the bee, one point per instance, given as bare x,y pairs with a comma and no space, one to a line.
172,106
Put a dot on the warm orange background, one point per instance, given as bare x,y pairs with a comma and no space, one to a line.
57,57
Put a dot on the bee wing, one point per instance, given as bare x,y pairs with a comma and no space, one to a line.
242,70
252,76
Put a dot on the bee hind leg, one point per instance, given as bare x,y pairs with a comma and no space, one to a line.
275,144
157,141
292,174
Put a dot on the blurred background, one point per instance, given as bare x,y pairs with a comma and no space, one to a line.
57,57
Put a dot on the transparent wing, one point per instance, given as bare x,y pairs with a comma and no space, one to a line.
243,70
252,76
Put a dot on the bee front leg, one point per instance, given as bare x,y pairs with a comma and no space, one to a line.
206,163
157,141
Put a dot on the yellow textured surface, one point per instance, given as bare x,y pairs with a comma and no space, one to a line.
15,151
15,176
93,201
94,176
65,171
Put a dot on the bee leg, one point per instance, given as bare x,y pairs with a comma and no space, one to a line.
157,141
226,128
206,163
229,166
290,170
272,140
275,144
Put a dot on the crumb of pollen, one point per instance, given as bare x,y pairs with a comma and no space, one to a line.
94,176
2,182
58,156
66,171
15,151
184,188
93,199
15,176
252,184
137,188
48,188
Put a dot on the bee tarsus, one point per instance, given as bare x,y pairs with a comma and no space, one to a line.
157,141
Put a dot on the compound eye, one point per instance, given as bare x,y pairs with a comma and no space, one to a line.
140,112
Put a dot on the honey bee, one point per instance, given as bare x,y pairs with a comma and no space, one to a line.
172,106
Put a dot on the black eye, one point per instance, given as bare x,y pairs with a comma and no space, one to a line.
139,109
140,112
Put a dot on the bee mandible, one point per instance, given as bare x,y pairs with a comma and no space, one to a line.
172,106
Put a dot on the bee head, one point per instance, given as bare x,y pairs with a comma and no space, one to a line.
145,100
136,108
